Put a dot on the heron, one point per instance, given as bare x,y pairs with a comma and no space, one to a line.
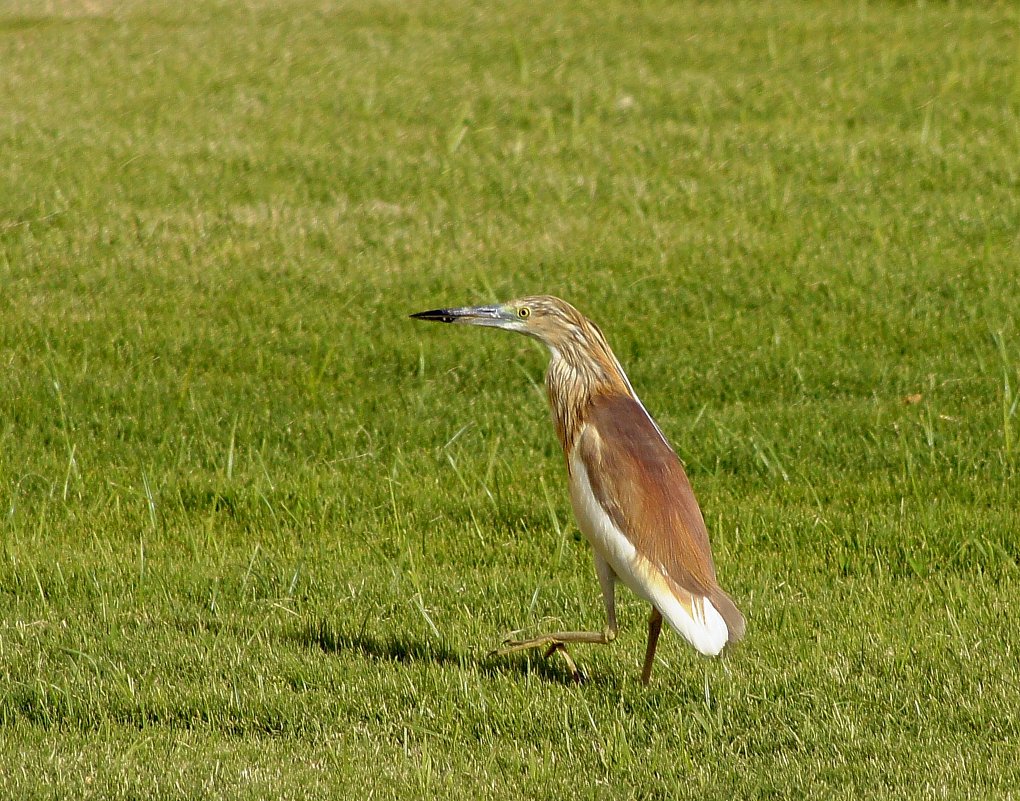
628,489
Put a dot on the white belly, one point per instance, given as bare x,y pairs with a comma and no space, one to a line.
704,628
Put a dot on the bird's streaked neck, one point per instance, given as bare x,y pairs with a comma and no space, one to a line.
580,369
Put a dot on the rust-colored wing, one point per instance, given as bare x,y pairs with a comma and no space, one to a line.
639,481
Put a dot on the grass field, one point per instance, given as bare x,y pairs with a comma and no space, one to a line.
259,530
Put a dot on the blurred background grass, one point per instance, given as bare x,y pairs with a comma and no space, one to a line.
259,530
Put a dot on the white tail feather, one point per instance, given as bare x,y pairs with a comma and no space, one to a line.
706,631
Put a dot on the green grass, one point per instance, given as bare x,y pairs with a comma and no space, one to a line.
259,530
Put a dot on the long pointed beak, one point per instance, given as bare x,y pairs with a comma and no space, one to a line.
470,315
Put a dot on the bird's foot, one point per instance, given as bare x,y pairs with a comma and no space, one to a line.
558,647
552,645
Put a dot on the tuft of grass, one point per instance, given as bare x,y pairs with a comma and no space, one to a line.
259,532
1010,400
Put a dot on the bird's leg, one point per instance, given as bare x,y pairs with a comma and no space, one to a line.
557,641
654,627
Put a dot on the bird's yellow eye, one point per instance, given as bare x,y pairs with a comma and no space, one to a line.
524,312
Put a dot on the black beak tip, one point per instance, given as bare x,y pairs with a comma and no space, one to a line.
437,315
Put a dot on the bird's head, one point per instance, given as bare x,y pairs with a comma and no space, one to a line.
550,320
582,363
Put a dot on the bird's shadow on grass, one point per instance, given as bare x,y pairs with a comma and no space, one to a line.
326,636
404,650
